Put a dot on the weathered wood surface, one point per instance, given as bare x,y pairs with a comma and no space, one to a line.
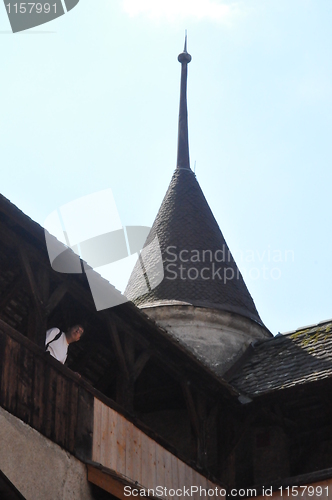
121,447
35,389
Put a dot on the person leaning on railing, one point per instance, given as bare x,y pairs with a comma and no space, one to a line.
57,342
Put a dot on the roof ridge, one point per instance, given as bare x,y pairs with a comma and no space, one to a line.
307,327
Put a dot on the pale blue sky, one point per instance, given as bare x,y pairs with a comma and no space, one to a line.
90,101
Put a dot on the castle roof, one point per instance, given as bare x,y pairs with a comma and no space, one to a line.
197,264
300,357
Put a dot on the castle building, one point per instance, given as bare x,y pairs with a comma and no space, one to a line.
202,301
181,391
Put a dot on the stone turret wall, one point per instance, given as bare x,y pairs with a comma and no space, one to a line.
217,338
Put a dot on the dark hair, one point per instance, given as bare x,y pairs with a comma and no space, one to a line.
78,325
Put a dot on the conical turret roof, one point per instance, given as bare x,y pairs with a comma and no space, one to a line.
198,268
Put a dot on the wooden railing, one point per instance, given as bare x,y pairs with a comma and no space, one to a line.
59,404
46,395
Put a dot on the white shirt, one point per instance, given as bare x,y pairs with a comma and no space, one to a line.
59,348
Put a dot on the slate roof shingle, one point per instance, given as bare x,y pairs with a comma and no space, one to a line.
185,222
288,360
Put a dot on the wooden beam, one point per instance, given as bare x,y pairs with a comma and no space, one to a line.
44,283
31,279
110,481
106,482
190,406
39,334
113,331
123,325
129,350
55,298
140,363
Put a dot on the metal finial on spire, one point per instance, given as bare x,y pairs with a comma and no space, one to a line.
184,56
183,144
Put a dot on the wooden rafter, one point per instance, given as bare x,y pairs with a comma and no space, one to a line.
31,279
118,347
190,407
55,298
140,363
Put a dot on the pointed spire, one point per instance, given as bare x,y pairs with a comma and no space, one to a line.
183,144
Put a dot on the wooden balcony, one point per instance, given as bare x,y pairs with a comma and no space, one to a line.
139,462
64,408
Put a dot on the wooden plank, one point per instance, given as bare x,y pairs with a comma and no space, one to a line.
72,420
84,432
96,452
61,405
105,460
169,480
145,460
181,474
113,438
38,383
3,343
25,385
175,474
160,465
129,450
49,402
9,385
121,448
106,482
32,321
5,371
137,437
152,462
211,486
189,479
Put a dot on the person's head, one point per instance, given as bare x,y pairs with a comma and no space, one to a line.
74,333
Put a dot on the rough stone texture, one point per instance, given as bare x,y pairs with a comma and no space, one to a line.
217,338
39,469
185,223
287,360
